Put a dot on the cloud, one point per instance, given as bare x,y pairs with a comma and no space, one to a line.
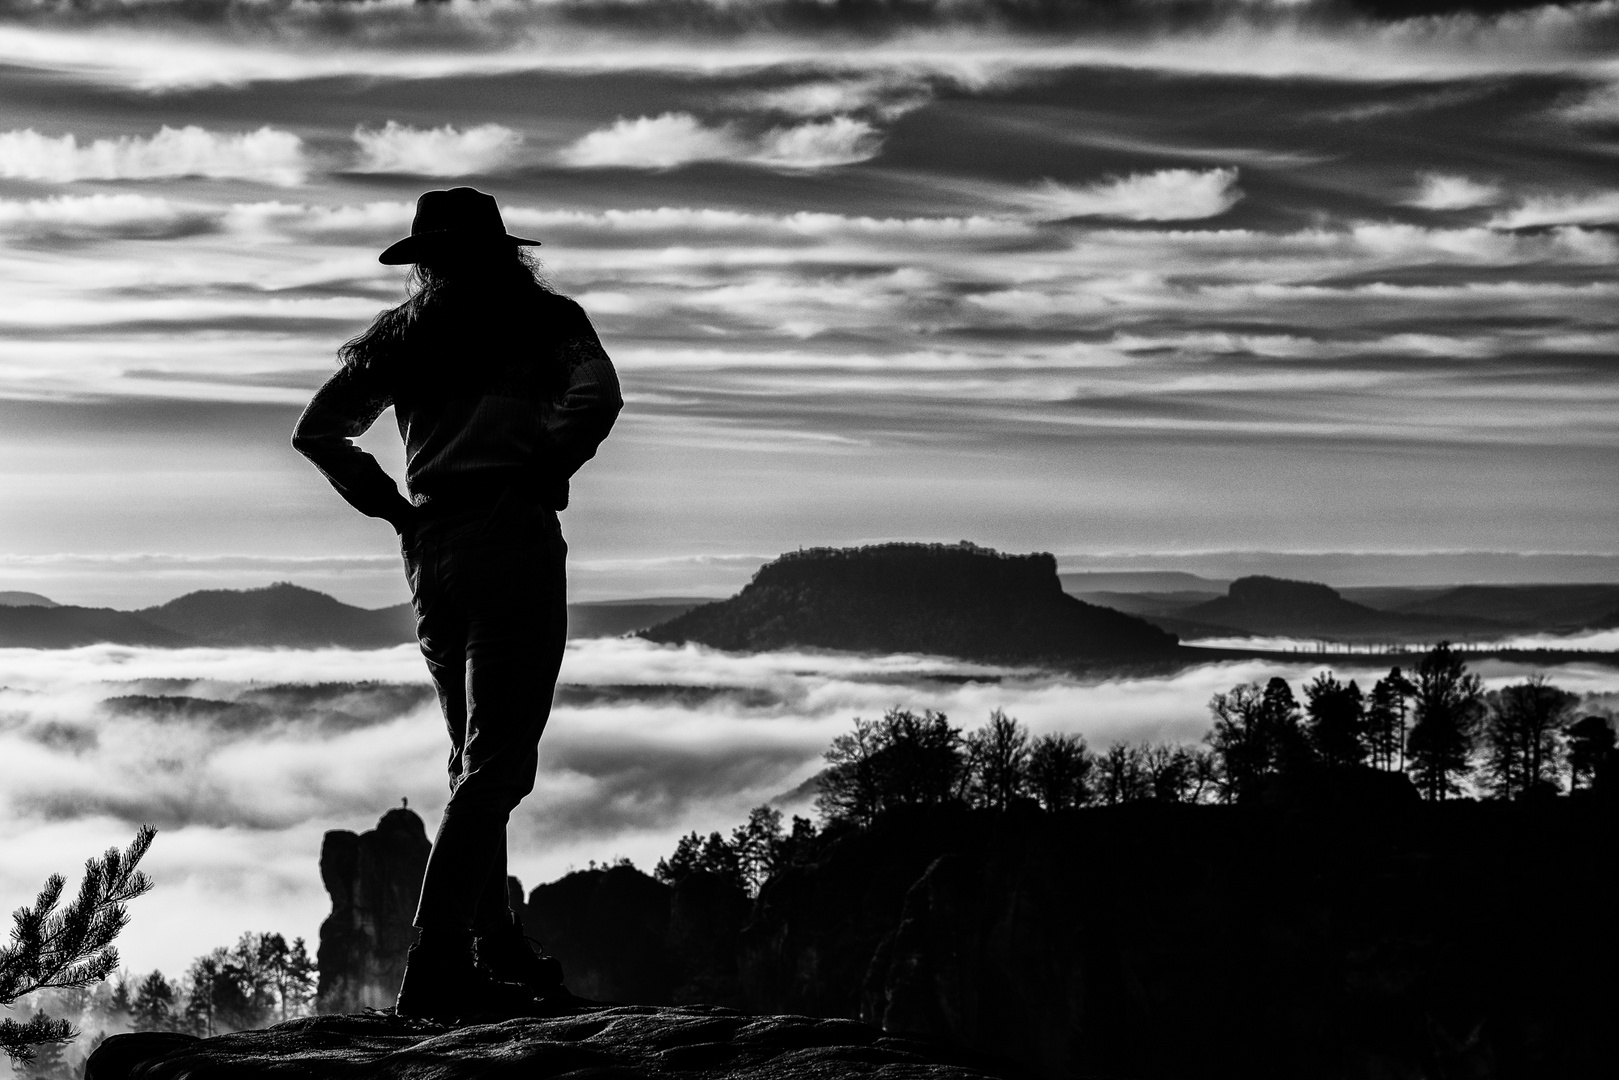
266,155
627,768
171,43
888,95
655,142
1594,208
436,151
101,216
1165,195
839,141
1600,106
1441,191
672,139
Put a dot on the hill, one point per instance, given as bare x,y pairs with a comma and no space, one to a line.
65,627
1267,605
26,599
952,600
1523,607
281,615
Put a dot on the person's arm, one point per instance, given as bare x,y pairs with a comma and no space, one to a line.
582,415
344,408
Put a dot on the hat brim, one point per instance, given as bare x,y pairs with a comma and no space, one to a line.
418,246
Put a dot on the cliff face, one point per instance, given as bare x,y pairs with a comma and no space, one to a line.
374,879
960,600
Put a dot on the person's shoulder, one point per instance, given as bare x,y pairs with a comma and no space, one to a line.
558,306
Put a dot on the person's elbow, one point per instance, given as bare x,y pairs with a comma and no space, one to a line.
313,444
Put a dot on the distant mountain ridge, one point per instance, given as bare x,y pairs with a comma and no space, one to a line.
1268,605
957,600
25,599
281,615
284,615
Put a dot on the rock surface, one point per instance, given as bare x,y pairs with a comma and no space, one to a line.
374,879
598,1042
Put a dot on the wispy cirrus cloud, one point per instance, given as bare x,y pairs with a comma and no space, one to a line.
442,151
103,215
172,43
673,139
1165,195
1591,208
266,155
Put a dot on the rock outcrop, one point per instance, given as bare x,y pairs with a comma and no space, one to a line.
1354,941
951,600
621,935
598,1042
374,879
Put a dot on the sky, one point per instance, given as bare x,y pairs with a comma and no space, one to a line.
1123,281
647,743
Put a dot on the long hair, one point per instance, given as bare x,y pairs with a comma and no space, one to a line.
480,293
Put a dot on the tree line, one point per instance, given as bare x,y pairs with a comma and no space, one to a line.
260,980
1438,725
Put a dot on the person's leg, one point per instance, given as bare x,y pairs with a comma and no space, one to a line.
442,980
494,911
513,589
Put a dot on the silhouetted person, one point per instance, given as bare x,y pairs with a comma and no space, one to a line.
502,391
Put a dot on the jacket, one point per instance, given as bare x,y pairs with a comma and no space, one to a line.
493,395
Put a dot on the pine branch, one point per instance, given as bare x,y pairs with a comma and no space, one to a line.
19,1040
72,947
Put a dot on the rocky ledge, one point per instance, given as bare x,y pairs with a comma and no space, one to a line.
618,1042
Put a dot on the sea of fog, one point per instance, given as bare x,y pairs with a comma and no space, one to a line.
648,742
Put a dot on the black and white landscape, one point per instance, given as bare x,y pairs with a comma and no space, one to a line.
1286,327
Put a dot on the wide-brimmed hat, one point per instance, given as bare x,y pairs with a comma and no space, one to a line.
455,220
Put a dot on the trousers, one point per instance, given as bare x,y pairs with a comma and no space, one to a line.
490,594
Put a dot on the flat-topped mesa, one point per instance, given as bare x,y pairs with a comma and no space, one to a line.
943,599
963,569
1282,592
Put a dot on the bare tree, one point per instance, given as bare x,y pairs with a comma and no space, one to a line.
1523,737
1123,775
998,762
1060,770
904,759
1237,739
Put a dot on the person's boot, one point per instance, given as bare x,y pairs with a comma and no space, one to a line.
505,953
443,983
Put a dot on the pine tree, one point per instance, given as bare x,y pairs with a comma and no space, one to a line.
756,844
1337,725
153,1007
1448,704
1590,747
